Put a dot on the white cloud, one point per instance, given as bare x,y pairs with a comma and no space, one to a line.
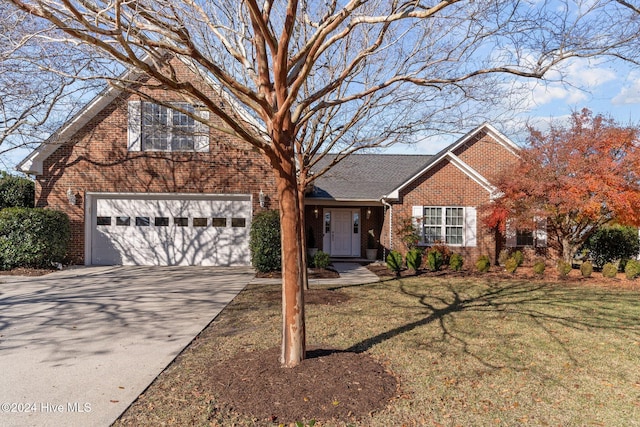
575,82
629,93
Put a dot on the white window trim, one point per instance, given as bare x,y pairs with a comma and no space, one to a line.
469,224
134,130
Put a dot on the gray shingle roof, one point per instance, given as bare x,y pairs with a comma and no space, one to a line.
365,176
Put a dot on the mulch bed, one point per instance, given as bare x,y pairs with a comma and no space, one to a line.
327,385
33,272
313,273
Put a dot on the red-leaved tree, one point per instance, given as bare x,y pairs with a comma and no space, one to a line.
579,177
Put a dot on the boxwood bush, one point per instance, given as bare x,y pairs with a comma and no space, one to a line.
394,262
483,264
264,242
414,259
33,237
16,191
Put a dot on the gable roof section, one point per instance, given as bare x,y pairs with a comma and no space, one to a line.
33,163
364,177
447,153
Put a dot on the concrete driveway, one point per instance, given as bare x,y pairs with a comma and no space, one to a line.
78,346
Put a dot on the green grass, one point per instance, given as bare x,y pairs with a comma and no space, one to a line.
468,352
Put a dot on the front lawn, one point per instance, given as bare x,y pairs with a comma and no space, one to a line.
466,351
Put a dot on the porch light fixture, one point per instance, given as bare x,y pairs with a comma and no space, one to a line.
71,197
368,212
262,198
315,212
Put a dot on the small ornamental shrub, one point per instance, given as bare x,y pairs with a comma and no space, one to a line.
609,270
394,262
455,262
321,260
564,268
483,264
434,259
414,259
519,257
538,267
511,265
445,252
586,268
632,269
264,242
33,237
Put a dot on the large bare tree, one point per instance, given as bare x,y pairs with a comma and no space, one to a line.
340,76
40,79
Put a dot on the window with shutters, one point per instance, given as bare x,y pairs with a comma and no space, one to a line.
154,127
443,224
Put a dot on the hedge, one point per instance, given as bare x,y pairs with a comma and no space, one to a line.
33,237
266,255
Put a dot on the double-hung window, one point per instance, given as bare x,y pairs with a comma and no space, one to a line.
166,129
443,224
154,127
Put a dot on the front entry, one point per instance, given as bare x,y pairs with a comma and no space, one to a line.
342,232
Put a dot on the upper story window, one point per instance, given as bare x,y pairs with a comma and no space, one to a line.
154,127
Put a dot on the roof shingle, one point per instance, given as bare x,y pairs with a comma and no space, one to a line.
365,176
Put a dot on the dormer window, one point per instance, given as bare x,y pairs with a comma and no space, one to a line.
154,127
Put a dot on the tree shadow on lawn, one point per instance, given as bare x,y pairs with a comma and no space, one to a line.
543,304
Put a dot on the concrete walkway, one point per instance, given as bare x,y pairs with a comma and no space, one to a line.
78,346
351,273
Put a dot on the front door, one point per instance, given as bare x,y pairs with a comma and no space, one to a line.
343,232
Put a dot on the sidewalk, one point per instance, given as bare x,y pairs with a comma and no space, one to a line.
351,273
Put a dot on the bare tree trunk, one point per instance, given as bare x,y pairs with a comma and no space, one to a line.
293,326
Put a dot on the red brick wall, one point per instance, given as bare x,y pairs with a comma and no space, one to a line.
97,160
485,155
446,185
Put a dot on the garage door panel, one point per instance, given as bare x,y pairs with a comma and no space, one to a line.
155,235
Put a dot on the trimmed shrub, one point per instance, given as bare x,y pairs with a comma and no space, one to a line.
321,260
483,264
586,268
632,269
394,262
609,244
33,237
609,270
445,252
264,243
511,265
519,257
564,268
456,262
538,267
414,259
434,259
16,191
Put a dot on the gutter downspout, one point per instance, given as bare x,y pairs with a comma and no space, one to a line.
390,208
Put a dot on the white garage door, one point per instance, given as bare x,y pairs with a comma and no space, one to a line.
166,229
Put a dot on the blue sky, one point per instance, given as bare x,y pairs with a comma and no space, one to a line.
607,87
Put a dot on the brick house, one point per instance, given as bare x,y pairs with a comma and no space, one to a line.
145,184
438,194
